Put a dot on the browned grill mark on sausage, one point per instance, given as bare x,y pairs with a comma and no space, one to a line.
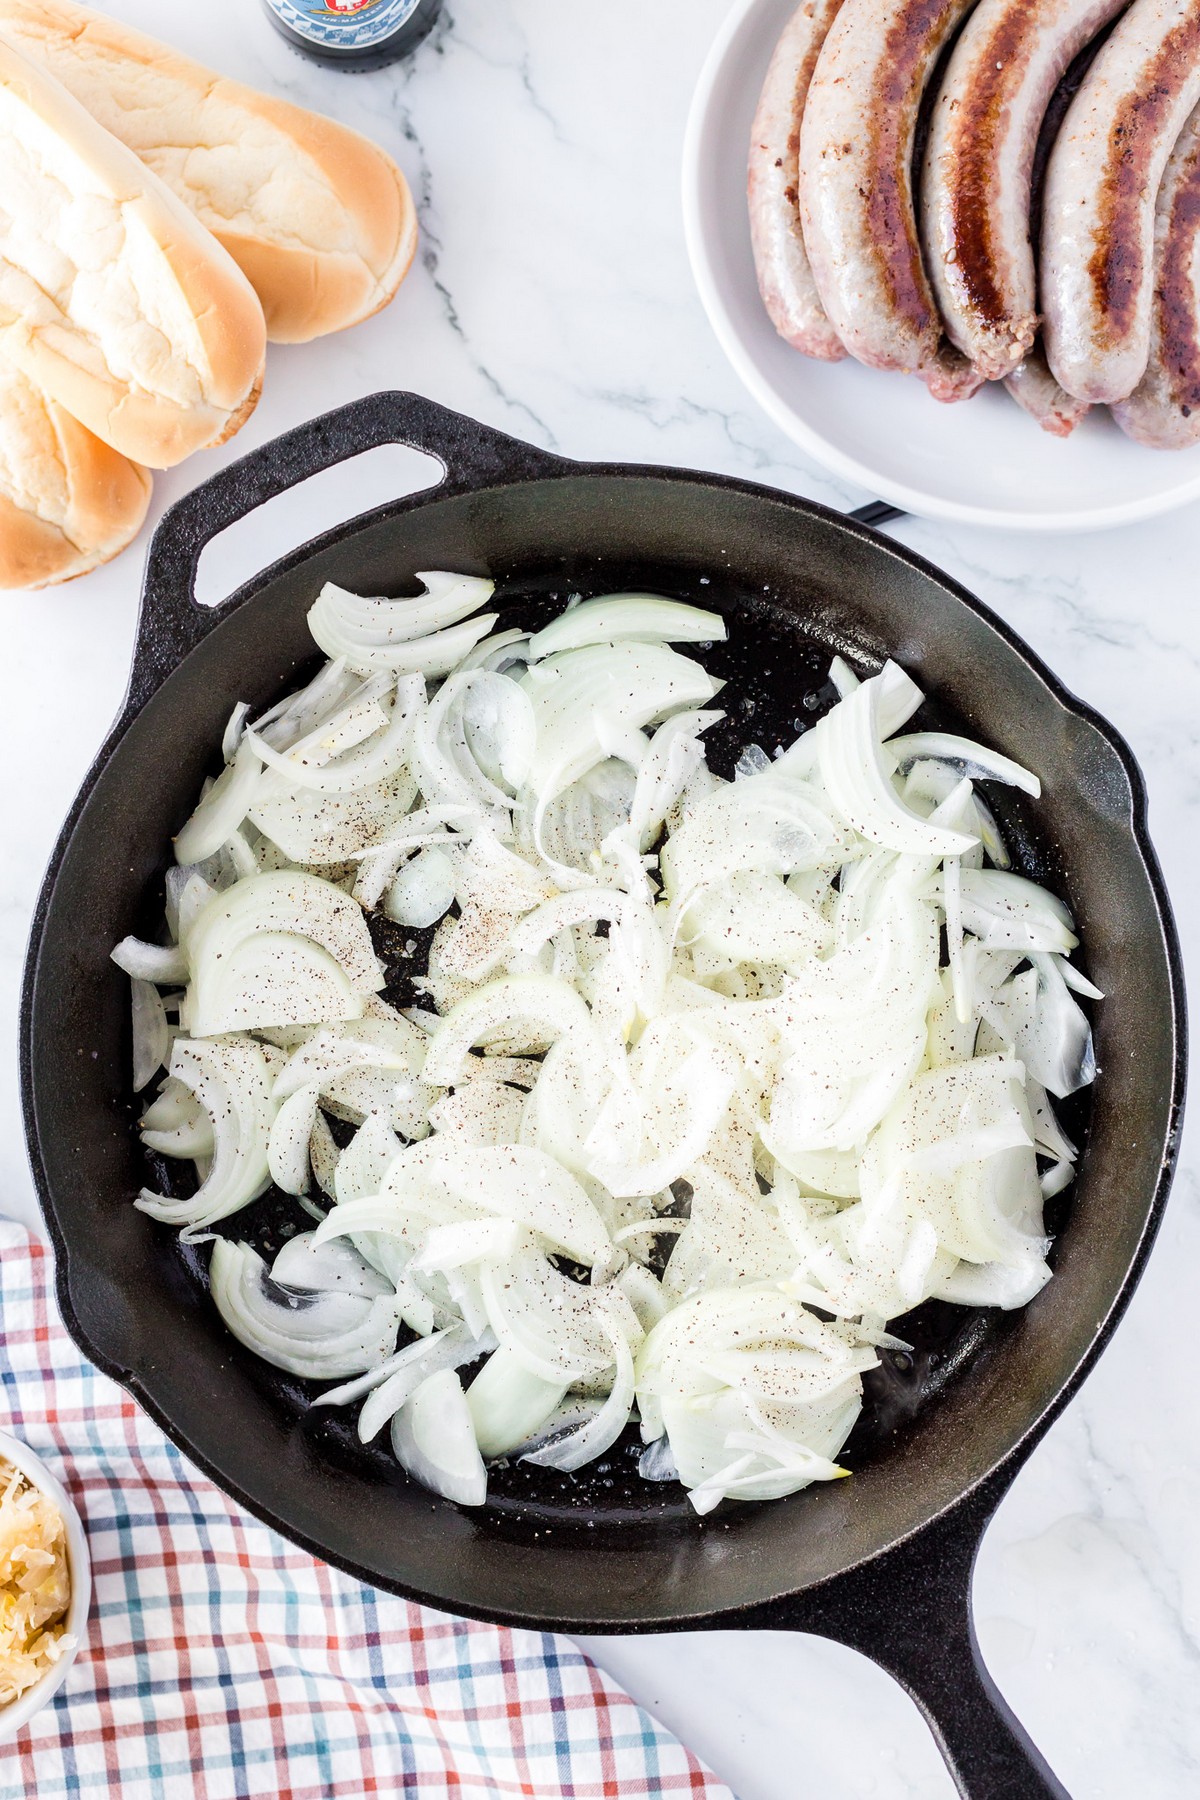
1175,297
890,118
979,123
1116,268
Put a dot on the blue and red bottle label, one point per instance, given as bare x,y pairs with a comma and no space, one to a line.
345,24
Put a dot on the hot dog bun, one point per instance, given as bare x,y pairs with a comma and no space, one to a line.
67,501
113,297
318,217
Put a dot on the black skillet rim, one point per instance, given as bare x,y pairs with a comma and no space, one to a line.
546,466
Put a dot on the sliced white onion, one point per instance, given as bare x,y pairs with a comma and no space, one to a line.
933,783
853,1031
423,891
319,1336
274,978
232,1079
601,1433
319,829
529,1188
192,892
164,964
750,1053
334,1050
630,684
523,1012
509,1403
323,1155
315,1268
175,1124
499,729
773,824
1047,1027
377,752
674,756
449,1346
298,714
656,1462
500,651
557,1328
480,1112
857,770
564,1103
450,1247
435,655
579,821
1006,911
447,1349
660,1113
725,1440
151,1033
233,730
1077,981
843,677
374,633
287,1149
278,949
1049,1135
223,808
434,1439
972,759
751,916
612,618
957,1152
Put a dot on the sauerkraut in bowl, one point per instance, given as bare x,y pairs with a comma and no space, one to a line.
44,1584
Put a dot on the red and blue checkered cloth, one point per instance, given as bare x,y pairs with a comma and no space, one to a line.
222,1664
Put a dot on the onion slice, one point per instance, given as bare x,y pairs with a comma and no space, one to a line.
524,1012
163,964
434,1439
224,806
374,633
973,760
613,618
855,767
317,1336
151,1033
231,1078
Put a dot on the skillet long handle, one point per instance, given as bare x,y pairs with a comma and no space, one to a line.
910,1612
877,512
472,455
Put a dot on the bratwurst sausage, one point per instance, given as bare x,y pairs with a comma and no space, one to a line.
977,181
785,278
1163,411
856,191
1102,181
1036,392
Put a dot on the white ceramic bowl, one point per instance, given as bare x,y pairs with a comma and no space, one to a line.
21,1710
984,462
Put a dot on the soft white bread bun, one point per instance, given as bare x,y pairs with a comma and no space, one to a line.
113,297
67,501
321,221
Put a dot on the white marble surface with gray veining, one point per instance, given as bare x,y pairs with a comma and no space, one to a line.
552,298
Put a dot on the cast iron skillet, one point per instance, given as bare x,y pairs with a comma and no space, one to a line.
882,1562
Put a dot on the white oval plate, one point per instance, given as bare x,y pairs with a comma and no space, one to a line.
983,462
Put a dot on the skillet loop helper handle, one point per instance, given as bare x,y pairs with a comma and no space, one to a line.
910,1612
473,456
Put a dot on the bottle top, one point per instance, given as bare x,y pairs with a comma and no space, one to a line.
354,28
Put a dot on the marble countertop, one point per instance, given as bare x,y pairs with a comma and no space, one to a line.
552,298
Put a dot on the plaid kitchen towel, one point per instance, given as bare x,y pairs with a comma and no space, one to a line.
222,1663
